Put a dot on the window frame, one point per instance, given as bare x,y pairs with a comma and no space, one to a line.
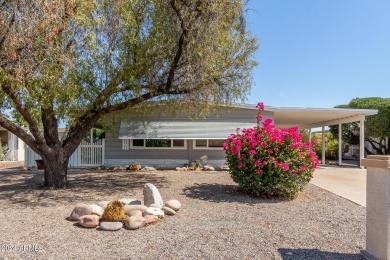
159,148
207,145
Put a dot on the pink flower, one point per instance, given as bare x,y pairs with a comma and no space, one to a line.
260,106
258,172
257,163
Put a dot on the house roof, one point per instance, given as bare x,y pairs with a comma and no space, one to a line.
309,117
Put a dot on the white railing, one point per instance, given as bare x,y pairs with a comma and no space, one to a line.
87,154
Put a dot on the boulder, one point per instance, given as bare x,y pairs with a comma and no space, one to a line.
150,219
103,204
89,221
111,226
154,211
135,222
169,211
97,210
151,195
130,208
173,204
80,210
148,168
136,213
127,201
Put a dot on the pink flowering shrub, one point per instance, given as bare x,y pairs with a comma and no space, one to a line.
268,161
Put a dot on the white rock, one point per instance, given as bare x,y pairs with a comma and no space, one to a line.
156,206
127,201
208,167
97,210
111,226
151,195
154,211
103,204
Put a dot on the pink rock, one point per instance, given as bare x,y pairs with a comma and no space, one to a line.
130,208
150,219
173,204
89,221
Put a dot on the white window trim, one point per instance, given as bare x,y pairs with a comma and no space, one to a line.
207,147
159,148
125,144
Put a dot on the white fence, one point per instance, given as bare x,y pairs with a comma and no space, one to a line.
88,153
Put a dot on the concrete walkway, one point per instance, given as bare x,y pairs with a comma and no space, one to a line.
347,182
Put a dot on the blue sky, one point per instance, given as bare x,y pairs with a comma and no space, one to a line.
320,53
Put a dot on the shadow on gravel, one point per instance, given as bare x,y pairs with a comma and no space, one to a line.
20,188
315,254
222,193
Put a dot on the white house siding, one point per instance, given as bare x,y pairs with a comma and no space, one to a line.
170,157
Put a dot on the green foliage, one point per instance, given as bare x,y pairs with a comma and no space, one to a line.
376,126
114,212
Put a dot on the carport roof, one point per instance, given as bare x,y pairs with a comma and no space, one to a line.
307,117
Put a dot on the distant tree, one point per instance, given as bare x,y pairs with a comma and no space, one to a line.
377,127
77,61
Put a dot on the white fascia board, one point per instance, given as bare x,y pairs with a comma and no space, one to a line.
334,122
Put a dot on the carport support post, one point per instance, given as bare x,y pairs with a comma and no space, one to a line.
378,207
340,145
323,145
361,146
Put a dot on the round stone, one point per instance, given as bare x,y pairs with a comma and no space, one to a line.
135,222
136,213
130,208
126,201
169,211
150,219
89,221
173,204
80,210
103,204
111,226
97,210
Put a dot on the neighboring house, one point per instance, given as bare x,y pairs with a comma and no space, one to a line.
165,140
12,146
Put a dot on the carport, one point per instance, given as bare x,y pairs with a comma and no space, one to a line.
309,118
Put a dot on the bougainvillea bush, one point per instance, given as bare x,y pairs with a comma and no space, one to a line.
267,161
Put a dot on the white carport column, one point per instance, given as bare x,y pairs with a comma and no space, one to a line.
323,145
340,145
310,135
361,146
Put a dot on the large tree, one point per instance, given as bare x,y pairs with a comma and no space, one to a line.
377,127
77,61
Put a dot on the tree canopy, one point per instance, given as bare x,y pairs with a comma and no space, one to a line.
77,61
377,127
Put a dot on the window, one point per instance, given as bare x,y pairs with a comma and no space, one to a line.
158,144
209,144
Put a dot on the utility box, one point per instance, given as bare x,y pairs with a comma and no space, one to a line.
378,207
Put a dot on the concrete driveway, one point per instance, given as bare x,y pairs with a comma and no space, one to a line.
347,182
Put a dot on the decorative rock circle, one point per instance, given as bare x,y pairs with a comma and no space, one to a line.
111,226
173,204
89,221
80,210
169,211
154,211
135,222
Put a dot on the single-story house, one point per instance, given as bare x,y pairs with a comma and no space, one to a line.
166,141
169,140
12,146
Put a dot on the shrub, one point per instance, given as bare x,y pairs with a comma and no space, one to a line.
270,162
114,212
134,166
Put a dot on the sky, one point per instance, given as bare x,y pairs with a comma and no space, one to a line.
319,53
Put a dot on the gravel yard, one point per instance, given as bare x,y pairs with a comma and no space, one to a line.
215,221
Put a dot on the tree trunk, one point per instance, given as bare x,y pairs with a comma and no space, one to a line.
56,169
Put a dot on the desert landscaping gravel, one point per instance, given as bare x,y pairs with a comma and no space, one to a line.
215,221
